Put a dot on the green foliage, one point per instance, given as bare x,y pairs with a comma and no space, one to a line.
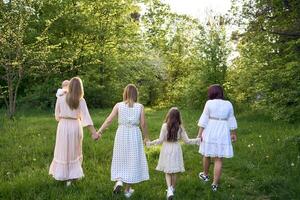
172,58
193,55
266,75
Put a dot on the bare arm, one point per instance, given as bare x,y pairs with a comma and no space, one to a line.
200,133
144,125
186,138
161,136
57,110
109,119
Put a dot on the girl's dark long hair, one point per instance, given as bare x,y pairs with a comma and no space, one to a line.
173,121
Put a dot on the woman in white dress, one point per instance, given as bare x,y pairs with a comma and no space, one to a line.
129,164
170,158
217,130
72,114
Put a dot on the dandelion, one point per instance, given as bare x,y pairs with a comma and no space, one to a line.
7,173
292,164
278,139
34,159
20,146
252,144
249,145
259,136
267,156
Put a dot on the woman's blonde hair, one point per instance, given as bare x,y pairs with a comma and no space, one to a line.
75,93
130,94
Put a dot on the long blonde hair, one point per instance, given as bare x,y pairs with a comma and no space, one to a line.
75,93
130,94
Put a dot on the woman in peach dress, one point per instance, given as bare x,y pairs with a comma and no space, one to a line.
72,114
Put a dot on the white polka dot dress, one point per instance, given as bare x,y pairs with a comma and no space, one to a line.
129,162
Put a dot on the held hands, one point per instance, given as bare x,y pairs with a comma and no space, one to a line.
147,142
95,136
200,137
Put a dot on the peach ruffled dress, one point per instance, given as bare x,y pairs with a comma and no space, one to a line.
66,164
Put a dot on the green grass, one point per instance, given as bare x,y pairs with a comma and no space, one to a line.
266,164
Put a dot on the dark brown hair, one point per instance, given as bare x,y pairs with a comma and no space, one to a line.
173,121
75,93
215,92
130,94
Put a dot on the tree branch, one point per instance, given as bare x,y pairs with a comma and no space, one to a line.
283,33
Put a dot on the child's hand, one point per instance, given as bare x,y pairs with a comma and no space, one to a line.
148,143
146,140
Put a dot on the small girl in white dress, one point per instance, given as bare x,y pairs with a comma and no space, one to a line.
129,164
170,159
217,130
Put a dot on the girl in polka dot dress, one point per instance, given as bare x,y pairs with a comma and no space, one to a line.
129,164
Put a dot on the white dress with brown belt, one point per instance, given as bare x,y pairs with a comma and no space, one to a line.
217,120
68,157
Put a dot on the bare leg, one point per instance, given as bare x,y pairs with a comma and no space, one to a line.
173,181
206,163
217,170
168,180
127,187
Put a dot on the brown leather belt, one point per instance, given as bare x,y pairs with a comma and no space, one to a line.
70,118
220,119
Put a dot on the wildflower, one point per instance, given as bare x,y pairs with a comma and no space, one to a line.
278,139
249,145
34,159
20,146
267,156
8,173
252,144
292,164
259,136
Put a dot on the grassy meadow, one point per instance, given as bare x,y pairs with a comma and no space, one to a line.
266,164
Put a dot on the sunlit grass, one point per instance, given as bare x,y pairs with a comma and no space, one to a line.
266,164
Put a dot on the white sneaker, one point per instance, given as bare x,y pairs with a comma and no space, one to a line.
117,187
129,193
203,177
69,183
170,193
214,187
173,189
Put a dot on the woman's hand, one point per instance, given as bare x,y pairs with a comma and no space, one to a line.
233,137
201,138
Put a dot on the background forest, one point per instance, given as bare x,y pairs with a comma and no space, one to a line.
253,51
172,58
